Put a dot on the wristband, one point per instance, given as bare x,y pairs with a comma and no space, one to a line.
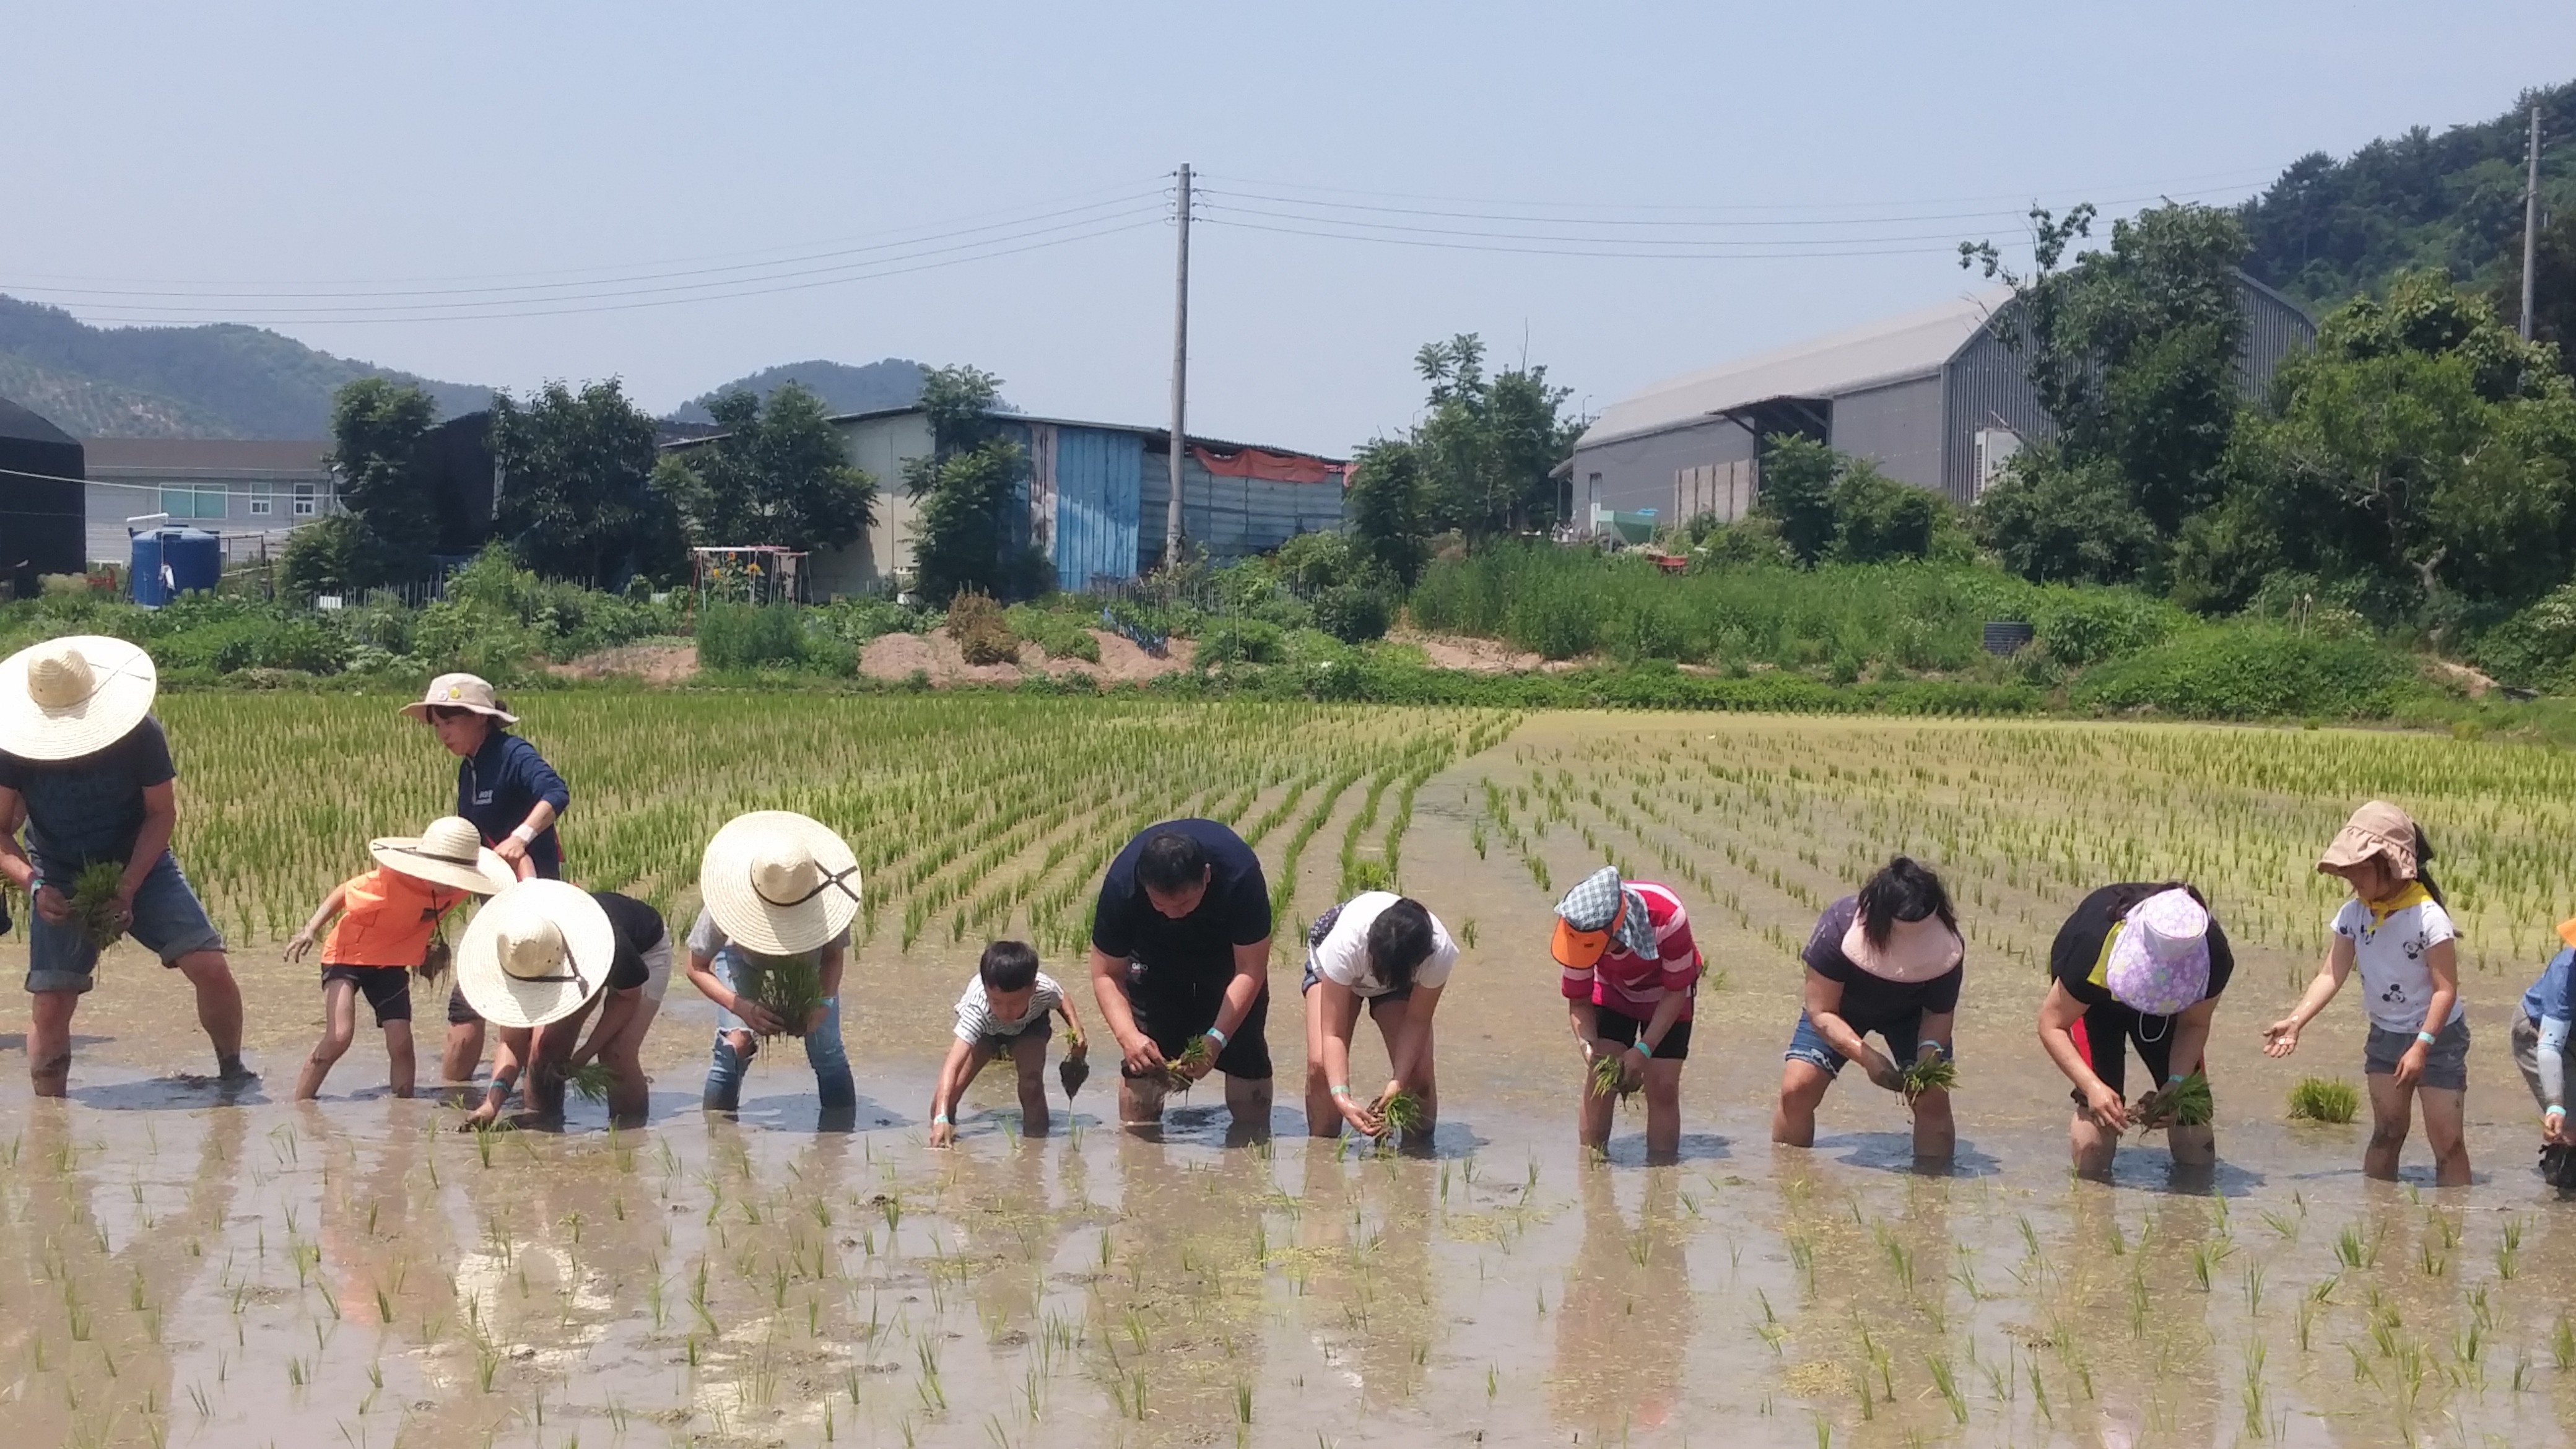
2554,1111
1214,1035
1934,1045
1342,1091
941,1119
524,835
2425,1037
1645,1048
2176,1079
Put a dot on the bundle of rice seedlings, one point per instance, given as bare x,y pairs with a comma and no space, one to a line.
1401,1115
1197,1054
94,904
437,958
2186,1103
787,987
1075,1069
2324,1099
1930,1072
1610,1079
590,1081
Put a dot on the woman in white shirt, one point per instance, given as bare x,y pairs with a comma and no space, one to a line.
2395,930
1390,952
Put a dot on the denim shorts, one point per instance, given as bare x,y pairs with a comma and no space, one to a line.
2446,1066
1808,1045
1307,982
168,920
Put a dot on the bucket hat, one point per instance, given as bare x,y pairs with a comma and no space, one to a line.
2377,828
449,853
535,953
779,883
1598,910
2159,963
460,691
74,696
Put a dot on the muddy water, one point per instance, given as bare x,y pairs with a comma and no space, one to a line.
179,1269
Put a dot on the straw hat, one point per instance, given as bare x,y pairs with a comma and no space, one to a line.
779,883
535,953
460,691
449,853
2377,828
1916,951
2159,963
74,696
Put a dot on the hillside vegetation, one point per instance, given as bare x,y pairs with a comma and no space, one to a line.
221,380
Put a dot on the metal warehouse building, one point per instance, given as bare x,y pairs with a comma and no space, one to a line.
1935,398
1093,497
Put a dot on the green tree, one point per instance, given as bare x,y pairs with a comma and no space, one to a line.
778,474
1390,516
2134,354
1798,491
1488,445
2422,458
376,432
577,499
964,489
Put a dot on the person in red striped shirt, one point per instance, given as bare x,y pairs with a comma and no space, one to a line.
1629,970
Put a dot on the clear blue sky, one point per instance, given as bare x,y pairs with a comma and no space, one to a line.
371,149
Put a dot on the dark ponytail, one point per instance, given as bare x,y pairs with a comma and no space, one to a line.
1903,890
2424,868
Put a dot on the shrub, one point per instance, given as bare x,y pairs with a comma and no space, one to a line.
1353,612
2242,671
1241,641
1061,635
983,635
749,636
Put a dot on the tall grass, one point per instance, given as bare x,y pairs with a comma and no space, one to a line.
1560,603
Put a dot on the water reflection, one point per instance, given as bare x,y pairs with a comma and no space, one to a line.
1624,1328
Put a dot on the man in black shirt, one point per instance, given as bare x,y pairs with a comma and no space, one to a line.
1180,948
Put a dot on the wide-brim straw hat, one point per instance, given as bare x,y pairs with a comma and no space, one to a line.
535,953
779,883
74,696
2377,828
1916,951
460,691
449,853
2159,963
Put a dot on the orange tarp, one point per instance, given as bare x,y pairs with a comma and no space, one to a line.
1267,466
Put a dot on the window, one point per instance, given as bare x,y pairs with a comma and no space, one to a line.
308,500
193,502
261,502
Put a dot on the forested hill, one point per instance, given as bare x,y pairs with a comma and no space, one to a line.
2328,229
892,382
221,380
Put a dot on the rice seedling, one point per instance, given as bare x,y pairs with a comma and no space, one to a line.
1402,1114
789,988
1196,1057
1930,1072
2186,1103
2323,1099
591,1080
96,907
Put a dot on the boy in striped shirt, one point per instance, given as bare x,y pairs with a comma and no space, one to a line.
1006,1009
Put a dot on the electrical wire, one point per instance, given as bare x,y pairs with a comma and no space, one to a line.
1454,246
2225,181
506,312
1407,229
1677,222
937,230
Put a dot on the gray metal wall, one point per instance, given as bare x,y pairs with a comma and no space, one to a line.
1898,427
1985,386
1232,517
2274,329
1637,473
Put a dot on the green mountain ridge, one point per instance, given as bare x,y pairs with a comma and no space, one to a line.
891,382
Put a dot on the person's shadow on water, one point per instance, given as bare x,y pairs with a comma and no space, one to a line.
1630,1151
1894,1152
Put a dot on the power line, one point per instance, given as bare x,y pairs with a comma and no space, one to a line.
2230,180
1405,241
1013,215
1631,222
313,317
1405,229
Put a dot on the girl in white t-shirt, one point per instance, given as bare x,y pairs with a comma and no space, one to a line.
2395,930
1391,953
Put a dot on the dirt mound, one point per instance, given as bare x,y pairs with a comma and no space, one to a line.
1479,656
658,663
896,656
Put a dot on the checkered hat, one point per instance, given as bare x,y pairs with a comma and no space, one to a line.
1594,903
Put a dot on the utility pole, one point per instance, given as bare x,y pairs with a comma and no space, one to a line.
1181,375
2530,221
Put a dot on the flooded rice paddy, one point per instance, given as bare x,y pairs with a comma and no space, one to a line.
179,1269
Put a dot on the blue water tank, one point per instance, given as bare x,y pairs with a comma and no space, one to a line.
169,562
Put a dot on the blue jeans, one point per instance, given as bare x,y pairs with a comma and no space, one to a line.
823,1052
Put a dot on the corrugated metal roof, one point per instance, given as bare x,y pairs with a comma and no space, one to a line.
1882,352
1156,438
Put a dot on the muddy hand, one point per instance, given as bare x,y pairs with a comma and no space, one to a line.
1143,1058
2107,1110
51,905
2281,1038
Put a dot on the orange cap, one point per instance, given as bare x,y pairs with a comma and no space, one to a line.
1578,949
2567,932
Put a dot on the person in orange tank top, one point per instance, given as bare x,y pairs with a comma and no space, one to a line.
388,918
